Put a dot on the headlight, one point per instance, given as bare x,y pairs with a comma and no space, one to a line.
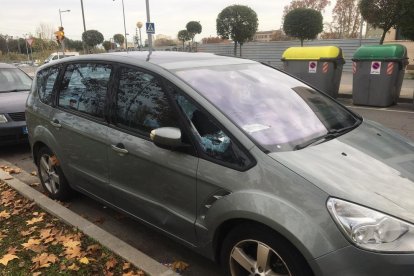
371,229
3,119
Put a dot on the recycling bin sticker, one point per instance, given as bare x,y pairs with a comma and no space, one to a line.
313,66
376,68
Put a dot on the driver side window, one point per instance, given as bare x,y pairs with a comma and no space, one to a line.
213,141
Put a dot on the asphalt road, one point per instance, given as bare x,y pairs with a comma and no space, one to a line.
165,250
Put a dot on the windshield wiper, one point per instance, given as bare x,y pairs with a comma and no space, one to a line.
331,134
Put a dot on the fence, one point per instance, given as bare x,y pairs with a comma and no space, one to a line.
271,52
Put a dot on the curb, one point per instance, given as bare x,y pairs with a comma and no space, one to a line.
400,100
119,247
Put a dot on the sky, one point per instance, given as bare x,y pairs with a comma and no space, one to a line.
19,17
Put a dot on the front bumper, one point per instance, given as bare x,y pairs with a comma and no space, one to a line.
354,261
13,133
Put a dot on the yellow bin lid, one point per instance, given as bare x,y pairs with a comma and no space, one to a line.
312,53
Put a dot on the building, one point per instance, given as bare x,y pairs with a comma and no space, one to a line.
265,36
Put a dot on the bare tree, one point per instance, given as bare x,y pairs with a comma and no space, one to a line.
346,18
45,31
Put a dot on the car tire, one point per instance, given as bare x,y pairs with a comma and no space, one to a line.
51,175
240,253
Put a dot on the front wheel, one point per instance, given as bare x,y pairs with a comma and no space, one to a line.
256,250
51,175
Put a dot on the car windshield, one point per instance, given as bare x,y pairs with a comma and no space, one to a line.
14,80
277,111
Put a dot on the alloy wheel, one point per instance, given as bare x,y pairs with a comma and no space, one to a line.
49,174
252,257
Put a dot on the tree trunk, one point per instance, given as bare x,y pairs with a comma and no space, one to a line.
241,49
183,45
235,48
383,37
301,42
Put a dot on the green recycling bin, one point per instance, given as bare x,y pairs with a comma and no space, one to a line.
378,74
321,66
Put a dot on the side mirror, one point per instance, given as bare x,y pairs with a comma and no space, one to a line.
166,137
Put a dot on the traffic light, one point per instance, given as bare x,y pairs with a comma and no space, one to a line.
60,35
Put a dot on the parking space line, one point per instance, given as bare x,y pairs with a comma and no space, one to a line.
379,109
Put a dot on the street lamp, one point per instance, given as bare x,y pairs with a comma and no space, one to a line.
139,25
60,16
123,13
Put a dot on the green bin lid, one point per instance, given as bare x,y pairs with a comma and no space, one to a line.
312,53
381,52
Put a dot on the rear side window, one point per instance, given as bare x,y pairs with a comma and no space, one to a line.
84,88
142,103
45,83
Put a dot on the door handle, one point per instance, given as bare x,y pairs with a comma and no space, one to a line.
119,148
55,123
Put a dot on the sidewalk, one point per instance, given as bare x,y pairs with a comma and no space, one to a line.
345,90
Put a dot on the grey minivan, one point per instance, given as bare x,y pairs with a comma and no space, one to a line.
235,159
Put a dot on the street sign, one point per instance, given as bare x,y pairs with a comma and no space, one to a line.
30,41
313,66
376,68
150,28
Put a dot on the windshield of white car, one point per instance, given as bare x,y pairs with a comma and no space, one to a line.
14,80
277,111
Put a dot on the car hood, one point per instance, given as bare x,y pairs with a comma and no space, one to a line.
13,101
371,166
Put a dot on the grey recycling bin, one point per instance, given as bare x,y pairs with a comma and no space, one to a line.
321,66
378,72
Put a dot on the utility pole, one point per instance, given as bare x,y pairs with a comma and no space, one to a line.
149,35
139,25
85,48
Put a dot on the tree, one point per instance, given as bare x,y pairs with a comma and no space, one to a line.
383,14
183,36
303,24
237,22
406,24
211,40
119,39
346,19
164,42
45,31
107,45
92,38
193,28
318,5
74,44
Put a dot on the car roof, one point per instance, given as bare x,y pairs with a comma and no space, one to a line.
166,59
7,66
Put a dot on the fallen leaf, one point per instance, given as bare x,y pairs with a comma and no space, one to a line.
7,258
12,250
34,173
44,260
37,273
71,244
4,214
34,220
31,242
111,263
126,266
84,260
93,248
73,253
34,184
179,265
73,267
